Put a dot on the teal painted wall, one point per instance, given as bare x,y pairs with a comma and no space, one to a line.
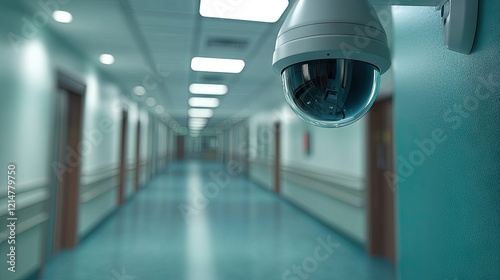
448,197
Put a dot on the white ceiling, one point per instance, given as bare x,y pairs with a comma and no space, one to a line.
158,38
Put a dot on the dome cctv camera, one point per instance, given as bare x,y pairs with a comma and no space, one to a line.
330,54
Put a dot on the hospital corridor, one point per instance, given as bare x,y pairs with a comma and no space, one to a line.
249,140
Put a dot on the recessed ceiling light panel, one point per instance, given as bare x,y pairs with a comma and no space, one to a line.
62,16
249,10
150,101
139,90
211,89
204,102
218,65
198,121
107,59
201,113
196,126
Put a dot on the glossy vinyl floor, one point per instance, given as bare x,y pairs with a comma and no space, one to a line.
241,232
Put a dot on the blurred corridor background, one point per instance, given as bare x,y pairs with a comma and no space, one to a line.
123,159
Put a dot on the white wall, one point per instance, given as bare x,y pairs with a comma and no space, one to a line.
340,150
337,156
28,95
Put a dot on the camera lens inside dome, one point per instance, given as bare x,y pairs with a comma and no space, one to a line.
331,92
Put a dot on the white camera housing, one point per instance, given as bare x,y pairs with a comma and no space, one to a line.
331,54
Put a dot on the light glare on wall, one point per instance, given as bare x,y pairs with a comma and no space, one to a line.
62,16
212,89
204,102
201,113
250,10
218,65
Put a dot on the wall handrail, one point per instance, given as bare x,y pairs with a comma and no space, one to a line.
25,225
345,189
28,199
95,193
27,186
99,176
346,181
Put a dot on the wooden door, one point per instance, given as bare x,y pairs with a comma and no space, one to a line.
381,191
68,163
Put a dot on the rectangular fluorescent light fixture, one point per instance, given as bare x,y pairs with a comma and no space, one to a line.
191,126
218,65
197,126
197,122
211,89
250,10
203,102
201,113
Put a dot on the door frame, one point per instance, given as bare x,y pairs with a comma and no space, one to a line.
277,157
61,230
138,157
122,177
381,192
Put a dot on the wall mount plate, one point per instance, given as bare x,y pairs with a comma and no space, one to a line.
459,18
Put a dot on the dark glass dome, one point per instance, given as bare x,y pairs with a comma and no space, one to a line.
331,92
